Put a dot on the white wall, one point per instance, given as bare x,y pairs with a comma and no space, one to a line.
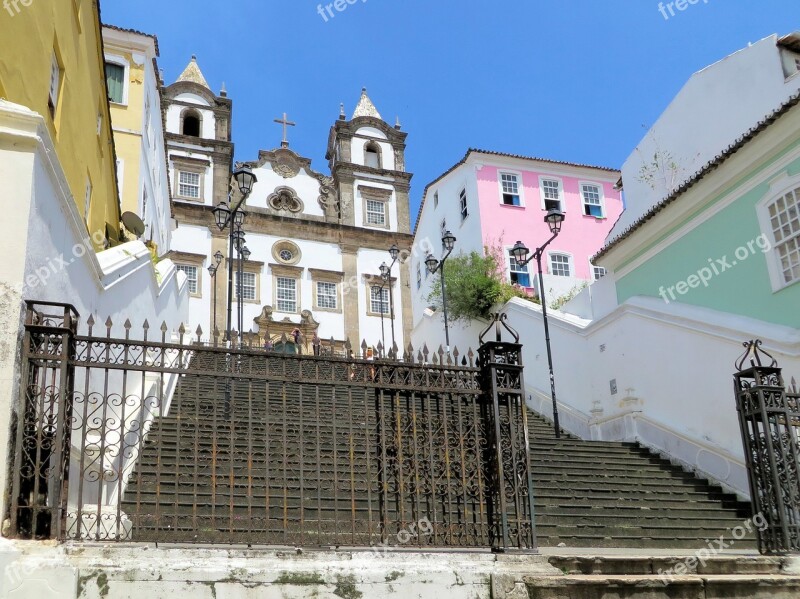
701,121
47,256
428,237
208,128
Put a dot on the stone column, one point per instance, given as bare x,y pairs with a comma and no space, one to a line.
352,284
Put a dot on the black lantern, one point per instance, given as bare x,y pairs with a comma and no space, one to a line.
554,218
246,253
520,252
432,263
221,213
449,241
384,271
245,179
218,257
238,217
394,252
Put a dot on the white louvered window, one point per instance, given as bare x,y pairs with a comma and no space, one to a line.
189,184
286,294
326,295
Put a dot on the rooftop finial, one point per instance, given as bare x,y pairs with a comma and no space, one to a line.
397,124
342,115
224,91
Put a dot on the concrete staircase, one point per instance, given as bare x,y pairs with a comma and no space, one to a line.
588,494
606,494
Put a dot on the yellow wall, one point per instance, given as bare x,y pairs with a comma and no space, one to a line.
128,121
27,41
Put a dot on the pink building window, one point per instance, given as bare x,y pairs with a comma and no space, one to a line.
510,184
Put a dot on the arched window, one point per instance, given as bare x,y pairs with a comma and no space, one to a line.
191,123
372,155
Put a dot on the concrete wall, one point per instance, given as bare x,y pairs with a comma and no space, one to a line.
49,257
701,121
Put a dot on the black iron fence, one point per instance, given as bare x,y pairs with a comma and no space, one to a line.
769,418
159,437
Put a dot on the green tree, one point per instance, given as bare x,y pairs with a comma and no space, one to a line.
475,285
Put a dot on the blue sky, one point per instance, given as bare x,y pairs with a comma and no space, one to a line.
575,80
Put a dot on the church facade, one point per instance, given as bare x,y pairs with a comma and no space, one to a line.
316,241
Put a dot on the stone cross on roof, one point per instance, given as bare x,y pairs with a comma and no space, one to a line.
286,123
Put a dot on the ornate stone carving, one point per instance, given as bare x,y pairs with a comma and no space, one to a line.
285,199
328,198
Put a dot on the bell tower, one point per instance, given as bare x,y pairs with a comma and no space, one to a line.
367,161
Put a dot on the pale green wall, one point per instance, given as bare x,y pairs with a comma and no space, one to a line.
743,289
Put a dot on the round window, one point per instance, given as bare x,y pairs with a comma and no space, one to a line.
287,255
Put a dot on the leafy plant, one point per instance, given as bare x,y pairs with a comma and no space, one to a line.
475,285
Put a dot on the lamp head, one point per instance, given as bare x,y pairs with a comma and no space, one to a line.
554,218
245,179
449,241
221,213
432,263
394,252
520,252
218,257
384,271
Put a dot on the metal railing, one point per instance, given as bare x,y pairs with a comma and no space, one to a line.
169,440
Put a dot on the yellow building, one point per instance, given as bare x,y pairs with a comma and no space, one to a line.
134,85
51,61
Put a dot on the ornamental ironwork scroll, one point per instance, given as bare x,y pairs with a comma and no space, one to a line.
510,486
769,419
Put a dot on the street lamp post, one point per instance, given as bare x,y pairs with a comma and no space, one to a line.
554,219
212,270
449,242
226,213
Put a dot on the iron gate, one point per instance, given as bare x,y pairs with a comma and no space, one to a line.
168,439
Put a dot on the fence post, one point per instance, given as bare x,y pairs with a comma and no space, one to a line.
511,500
39,490
769,419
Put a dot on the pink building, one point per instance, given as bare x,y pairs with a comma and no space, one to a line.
495,199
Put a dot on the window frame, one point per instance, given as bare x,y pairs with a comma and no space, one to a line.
126,67
561,196
376,194
328,277
602,199
593,268
776,192
570,263
463,204
520,187
295,281
198,292
368,212
183,167
373,286
54,94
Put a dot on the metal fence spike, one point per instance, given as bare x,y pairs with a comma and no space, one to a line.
127,324
109,324
146,325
